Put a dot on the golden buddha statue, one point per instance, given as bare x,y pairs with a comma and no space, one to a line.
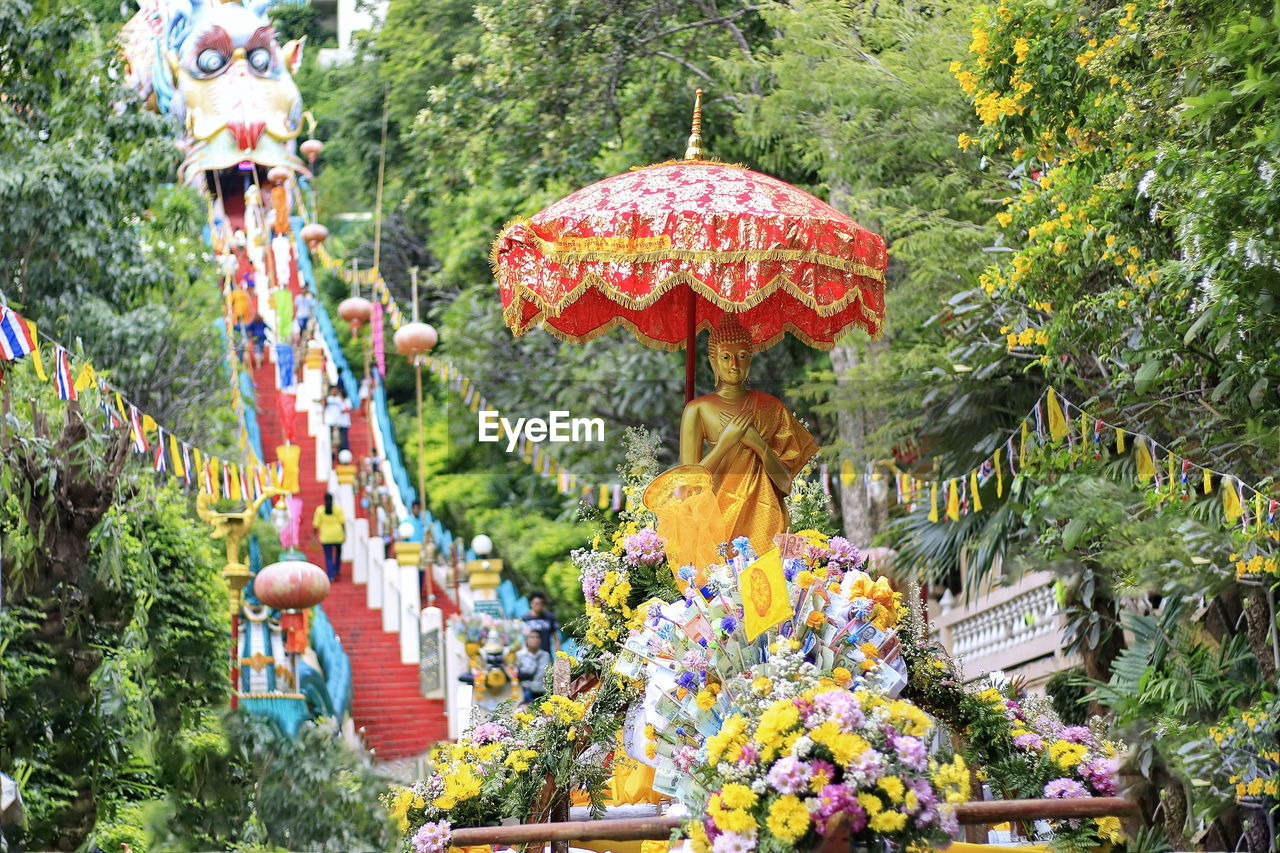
744,445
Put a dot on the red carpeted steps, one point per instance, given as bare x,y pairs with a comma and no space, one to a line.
386,703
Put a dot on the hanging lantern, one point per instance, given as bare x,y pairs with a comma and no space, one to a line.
291,585
356,310
415,339
278,174
314,234
312,148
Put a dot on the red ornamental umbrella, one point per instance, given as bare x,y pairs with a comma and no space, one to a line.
666,250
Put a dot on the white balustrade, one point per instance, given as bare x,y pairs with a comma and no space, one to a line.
323,462
410,612
1006,626
345,497
390,594
360,552
376,561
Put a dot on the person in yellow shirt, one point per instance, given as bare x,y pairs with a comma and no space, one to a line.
330,526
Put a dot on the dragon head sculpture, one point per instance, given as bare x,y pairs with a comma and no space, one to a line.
220,71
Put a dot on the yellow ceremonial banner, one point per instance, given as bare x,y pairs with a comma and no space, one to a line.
603,503
120,408
235,482
953,500
1022,446
1057,421
1257,509
1231,499
1119,440
85,378
847,473
213,475
36,361
148,424
176,455
1169,469
765,600
1146,465
199,469
933,502
973,490
1208,481
999,474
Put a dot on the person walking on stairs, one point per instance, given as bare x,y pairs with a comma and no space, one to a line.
331,529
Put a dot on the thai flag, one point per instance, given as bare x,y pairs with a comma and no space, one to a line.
15,336
62,374
135,427
160,463
986,471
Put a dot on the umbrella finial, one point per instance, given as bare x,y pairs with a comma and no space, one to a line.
694,149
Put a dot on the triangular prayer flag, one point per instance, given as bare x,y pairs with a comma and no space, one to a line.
1145,464
1231,508
765,599
1057,421
179,470
85,377
973,490
999,474
36,361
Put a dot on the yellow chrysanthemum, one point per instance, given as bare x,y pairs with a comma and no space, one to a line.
788,818
736,796
886,822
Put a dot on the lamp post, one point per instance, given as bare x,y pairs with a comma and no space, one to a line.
414,340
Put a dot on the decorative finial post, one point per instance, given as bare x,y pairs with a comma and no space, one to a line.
694,149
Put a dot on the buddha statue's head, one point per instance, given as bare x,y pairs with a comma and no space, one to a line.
730,350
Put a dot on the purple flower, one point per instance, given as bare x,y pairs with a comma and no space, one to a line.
728,624
489,733
732,842
869,764
1077,734
687,680
695,659
643,548
748,755
845,556
789,775
684,758
838,799
1065,789
1030,741
911,752
924,792
1100,774
841,706
432,837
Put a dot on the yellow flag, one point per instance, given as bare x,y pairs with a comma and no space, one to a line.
1057,421
85,378
933,501
847,473
1208,481
1257,509
234,472
120,408
36,361
999,474
603,503
1119,440
199,470
1231,499
973,490
148,424
953,500
1169,468
213,475
765,600
176,455
1146,465
1022,448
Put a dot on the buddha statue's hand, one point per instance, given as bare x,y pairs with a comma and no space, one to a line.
736,430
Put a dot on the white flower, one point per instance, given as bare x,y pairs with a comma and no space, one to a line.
1267,172
1145,184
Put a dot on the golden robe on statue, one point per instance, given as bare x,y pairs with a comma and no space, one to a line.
698,508
750,503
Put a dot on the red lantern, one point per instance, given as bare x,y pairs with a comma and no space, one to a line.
356,310
415,339
314,234
291,585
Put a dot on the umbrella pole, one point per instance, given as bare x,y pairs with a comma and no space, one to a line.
690,346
